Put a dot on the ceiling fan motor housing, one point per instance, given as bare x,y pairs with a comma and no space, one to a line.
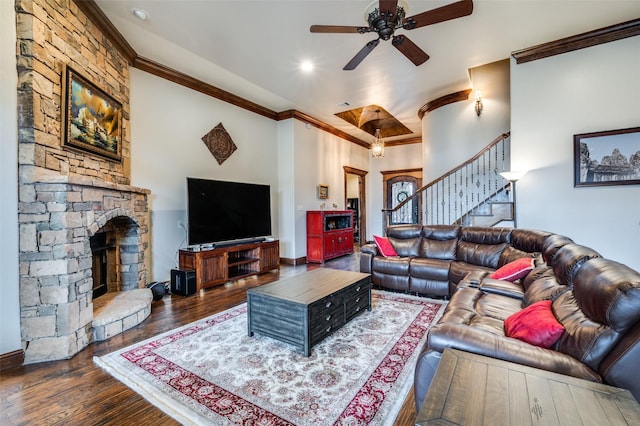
385,23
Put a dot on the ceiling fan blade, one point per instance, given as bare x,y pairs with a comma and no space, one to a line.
440,14
353,63
410,50
338,29
388,6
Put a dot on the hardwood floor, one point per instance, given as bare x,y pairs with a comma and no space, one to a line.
77,392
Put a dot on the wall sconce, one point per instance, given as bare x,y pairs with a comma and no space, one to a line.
478,103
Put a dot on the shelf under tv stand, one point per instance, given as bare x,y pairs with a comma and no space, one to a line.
234,261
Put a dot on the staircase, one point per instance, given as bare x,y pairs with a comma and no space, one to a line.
472,194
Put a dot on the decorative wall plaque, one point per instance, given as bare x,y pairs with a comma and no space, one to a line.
219,143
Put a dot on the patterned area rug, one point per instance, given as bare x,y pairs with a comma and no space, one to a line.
211,372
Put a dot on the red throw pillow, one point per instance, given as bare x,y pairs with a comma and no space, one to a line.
514,270
535,324
384,246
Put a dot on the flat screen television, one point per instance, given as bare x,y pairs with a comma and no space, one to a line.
221,212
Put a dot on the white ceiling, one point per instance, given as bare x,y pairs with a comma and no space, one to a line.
254,48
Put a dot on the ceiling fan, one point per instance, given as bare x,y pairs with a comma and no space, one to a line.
386,16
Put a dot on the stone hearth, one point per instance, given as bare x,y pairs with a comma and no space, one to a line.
58,215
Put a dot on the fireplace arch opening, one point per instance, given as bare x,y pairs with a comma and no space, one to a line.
115,256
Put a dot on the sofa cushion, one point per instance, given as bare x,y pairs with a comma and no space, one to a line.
528,240
438,249
433,269
514,270
545,286
390,272
384,246
568,260
604,304
485,235
535,324
458,270
441,232
552,244
487,255
405,239
609,292
509,254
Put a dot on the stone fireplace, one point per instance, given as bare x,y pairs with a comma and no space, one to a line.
66,195
57,264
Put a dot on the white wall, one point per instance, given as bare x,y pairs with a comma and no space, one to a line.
9,281
167,124
584,91
454,133
319,158
286,189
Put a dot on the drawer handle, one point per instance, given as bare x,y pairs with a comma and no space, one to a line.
358,309
358,288
328,329
328,304
357,299
328,317
339,239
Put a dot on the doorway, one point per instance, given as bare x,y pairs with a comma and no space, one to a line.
398,185
354,194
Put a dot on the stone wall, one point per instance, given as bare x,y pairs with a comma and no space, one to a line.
66,196
52,34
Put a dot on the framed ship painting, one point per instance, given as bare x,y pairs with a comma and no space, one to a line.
92,119
607,158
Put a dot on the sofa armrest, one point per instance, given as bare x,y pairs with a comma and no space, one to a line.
366,263
371,249
475,340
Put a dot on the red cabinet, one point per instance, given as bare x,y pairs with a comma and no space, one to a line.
329,234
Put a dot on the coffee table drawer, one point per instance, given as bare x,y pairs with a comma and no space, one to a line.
356,305
326,304
326,323
357,289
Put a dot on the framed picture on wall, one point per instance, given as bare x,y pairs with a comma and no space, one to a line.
610,157
92,120
323,191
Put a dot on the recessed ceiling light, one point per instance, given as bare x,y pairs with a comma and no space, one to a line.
344,104
306,66
142,15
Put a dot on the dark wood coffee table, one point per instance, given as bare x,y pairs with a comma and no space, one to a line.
470,389
304,309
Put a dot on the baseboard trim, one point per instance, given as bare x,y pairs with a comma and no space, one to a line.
293,262
11,360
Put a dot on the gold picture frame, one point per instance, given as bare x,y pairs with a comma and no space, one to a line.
92,119
323,191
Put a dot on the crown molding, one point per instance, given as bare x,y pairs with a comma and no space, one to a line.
185,80
580,41
462,95
292,113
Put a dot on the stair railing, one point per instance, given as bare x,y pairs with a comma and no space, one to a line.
465,190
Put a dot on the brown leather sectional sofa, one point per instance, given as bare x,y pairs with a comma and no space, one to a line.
596,300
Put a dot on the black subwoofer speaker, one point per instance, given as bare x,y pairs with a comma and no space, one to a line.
183,282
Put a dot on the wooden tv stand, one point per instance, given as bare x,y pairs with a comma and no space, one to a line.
218,265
